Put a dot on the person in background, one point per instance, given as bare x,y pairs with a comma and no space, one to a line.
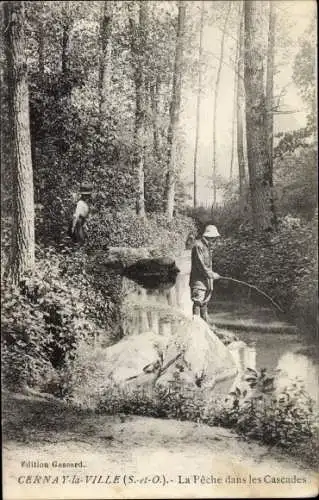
78,226
189,241
202,275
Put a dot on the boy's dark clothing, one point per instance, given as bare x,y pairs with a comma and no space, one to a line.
201,271
201,277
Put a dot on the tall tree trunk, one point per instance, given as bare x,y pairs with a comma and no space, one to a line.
235,98
154,95
40,40
5,140
270,88
37,145
138,34
175,112
22,258
199,91
256,121
66,28
105,70
216,95
240,116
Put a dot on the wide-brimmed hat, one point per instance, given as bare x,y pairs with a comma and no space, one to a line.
86,188
211,232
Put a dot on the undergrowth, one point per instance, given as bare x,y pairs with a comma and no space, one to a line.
286,419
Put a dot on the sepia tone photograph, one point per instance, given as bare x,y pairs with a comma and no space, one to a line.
159,281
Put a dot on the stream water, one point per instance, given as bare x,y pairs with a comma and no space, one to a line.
289,353
156,310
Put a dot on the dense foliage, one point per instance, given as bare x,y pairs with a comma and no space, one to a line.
285,418
72,297
44,320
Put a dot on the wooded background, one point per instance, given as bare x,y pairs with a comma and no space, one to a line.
94,92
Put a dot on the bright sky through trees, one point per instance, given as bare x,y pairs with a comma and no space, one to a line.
294,18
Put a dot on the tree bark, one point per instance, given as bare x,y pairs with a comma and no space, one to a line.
40,40
154,95
270,88
235,98
216,94
138,36
105,71
65,57
199,91
240,117
23,244
175,112
256,122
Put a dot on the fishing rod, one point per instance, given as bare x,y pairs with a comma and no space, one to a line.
209,292
255,288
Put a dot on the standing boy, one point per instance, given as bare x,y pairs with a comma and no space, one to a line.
202,275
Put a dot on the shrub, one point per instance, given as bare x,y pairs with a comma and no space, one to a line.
115,228
87,379
283,265
288,419
25,343
43,321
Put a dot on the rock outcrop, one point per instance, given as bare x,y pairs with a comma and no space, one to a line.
153,273
193,352
162,341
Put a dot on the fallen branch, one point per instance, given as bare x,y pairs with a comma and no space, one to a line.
155,369
169,363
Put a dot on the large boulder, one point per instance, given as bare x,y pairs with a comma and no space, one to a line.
205,360
193,352
131,356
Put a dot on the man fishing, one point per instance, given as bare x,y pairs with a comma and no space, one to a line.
202,275
78,229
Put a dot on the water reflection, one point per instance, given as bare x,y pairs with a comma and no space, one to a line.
244,355
293,364
279,353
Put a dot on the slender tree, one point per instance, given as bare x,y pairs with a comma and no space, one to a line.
66,29
138,37
270,88
23,245
241,138
199,92
216,95
175,111
40,39
105,68
233,129
256,121
154,95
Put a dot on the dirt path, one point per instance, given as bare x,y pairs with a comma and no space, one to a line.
135,457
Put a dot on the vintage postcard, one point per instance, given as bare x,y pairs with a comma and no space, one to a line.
159,249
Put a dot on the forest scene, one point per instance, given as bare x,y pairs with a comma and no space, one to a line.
127,128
